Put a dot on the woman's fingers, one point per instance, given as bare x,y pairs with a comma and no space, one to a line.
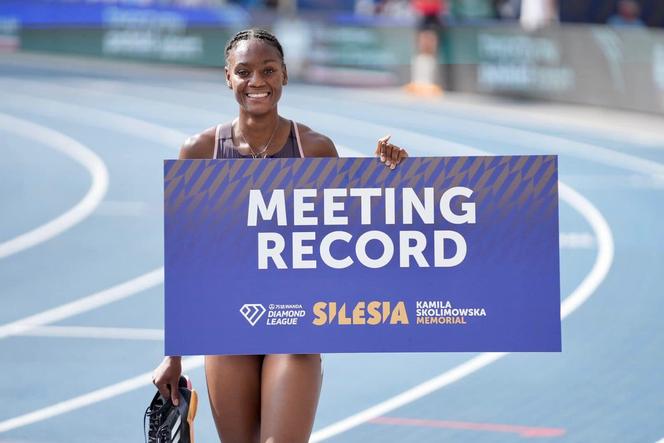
384,139
393,155
167,391
402,154
162,388
390,154
382,142
175,391
166,378
396,156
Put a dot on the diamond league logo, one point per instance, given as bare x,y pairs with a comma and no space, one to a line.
252,312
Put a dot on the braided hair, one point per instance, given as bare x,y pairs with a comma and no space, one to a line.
248,34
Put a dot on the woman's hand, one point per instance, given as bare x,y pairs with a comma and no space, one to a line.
389,154
166,378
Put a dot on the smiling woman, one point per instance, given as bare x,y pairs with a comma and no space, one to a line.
266,398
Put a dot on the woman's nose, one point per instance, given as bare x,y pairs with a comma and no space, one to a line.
256,79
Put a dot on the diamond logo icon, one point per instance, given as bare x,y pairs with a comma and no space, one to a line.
252,312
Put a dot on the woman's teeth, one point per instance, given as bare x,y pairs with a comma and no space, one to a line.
261,95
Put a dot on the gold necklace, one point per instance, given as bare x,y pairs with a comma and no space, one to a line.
264,149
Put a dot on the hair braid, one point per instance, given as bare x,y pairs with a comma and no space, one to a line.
248,34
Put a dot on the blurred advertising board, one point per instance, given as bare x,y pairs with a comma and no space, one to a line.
344,49
158,33
595,65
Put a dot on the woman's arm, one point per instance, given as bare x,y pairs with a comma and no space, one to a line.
318,145
315,144
199,146
166,376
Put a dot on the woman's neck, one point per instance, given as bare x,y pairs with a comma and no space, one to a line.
257,133
257,126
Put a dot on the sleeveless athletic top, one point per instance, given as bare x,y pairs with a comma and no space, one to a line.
224,147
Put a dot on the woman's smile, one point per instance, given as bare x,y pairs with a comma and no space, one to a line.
257,95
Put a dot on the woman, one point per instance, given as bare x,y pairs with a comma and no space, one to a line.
260,398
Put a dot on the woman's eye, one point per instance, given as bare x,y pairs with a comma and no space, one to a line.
269,71
242,73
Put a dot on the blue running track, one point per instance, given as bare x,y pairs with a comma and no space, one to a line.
82,144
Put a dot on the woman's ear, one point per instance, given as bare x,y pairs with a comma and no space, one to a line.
285,82
228,77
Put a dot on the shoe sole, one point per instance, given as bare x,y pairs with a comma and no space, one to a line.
193,406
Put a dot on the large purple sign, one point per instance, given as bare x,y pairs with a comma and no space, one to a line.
346,255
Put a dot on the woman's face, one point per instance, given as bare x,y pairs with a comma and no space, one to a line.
256,74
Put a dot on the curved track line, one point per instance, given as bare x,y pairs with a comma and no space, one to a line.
600,269
564,145
91,397
585,150
93,301
76,151
132,126
120,123
630,127
96,117
96,333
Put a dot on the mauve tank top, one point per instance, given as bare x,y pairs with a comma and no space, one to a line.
224,147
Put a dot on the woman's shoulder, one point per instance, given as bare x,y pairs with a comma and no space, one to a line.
199,146
316,144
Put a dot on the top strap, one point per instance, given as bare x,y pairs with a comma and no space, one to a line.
217,139
297,138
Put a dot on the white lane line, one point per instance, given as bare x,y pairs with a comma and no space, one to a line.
122,387
605,250
95,332
76,151
120,123
339,124
597,274
589,284
435,145
577,240
613,181
130,125
347,125
628,126
553,143
95,117
535,140
93,301
446,378
121,291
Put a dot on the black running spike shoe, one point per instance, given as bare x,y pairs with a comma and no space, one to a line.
167,423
